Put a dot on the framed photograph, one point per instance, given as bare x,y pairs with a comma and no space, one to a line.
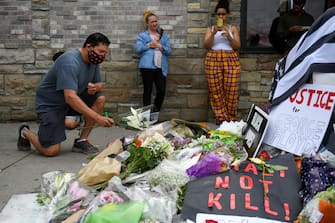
257,124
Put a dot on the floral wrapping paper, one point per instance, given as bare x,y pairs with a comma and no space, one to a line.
316,176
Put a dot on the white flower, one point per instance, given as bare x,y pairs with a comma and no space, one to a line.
170,174
199,141
138,119
233,127
157,141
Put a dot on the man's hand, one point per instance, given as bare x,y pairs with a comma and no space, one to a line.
296,28
105,121
91,88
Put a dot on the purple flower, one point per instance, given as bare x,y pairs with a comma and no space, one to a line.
209,165
179,142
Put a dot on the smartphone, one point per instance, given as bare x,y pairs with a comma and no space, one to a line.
219,22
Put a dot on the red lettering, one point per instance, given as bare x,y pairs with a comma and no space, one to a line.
251,167
282,173
330,100
246,182
266,185
311,92
268,174
323,104
232,202
248,205
214,200
219,182
267,207
236,168
318,100
293,97
211,221
301,96
287,212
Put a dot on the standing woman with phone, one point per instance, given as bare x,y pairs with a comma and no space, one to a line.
153,46
222,65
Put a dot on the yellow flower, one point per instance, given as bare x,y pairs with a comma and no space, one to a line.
257,161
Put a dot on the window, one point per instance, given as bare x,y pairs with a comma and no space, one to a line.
257,16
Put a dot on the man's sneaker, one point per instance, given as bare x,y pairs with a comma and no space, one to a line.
84,146
23,144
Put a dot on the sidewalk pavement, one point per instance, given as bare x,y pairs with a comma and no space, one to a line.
20,172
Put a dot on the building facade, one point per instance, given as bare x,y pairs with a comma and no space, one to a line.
33,30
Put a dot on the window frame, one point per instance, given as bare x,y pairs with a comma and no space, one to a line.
243,31
243,34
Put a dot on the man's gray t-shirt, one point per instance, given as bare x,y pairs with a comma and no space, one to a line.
68,72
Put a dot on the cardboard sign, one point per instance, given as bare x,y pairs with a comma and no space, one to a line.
299,123
245,192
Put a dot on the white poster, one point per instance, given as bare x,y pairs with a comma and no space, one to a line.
212,218
298,124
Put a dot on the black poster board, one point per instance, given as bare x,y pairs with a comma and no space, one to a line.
241,192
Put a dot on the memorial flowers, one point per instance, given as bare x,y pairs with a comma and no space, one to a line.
146,155
138,119
221,150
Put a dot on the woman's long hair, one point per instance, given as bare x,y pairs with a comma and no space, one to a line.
222,4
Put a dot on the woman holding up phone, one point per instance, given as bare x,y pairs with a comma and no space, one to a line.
222,65
153,46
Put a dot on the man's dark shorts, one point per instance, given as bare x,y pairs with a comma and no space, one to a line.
52,124
52,128
88,99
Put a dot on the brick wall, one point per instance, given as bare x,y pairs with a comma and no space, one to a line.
32,31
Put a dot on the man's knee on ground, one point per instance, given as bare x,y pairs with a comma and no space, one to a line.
51,151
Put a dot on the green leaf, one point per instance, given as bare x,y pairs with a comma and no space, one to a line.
276,167
269,170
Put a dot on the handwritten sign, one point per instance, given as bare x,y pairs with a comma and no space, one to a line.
299,123
212,218
246,192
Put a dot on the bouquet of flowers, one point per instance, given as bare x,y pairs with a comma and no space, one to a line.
62,194
170,174
320,208
220,149
53,186
146,155
210,164
218,139
138,119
